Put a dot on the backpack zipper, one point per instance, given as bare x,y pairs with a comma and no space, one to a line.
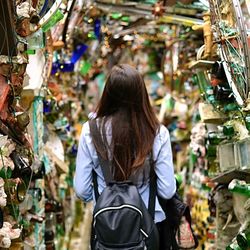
145,234
117,208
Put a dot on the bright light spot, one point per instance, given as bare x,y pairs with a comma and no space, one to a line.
128,38
160,74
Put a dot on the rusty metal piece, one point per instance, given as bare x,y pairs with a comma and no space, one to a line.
9,125
16,78
4,92
23,120
17,83
5,69
23,27
15,132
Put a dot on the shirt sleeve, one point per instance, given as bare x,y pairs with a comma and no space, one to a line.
166,183
84,166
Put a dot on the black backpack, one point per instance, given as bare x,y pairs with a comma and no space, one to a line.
120,218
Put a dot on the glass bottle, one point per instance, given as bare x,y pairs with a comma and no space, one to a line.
56,17
234,246
243,239
238,186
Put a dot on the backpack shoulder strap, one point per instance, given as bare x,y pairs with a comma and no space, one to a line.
95,184
152,187
98,143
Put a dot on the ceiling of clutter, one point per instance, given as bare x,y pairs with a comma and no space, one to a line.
121,18
119,22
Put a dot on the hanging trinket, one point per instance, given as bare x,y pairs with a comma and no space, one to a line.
97,28
8,233
78,52
85,67
56,17
15,190
36,40
22,168
158,9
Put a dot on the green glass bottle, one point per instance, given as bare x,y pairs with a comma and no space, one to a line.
243,239
234,246
6,173
211,150
85,67
228,130
240,187
30,52
247,121
230,107
116,15
56,17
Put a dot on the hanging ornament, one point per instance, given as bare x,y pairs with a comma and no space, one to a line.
116,15
158,9
67,67
55,68
93,11
63,67
36,40
47,106
15,190
91,35
57,45
78,52
126,19
97,28
52,20
85,67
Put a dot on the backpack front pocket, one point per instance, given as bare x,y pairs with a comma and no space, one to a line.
119,225
140,246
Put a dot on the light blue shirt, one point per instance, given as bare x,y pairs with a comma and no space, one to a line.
87,160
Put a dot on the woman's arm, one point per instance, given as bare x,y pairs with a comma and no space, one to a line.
84,166
166,183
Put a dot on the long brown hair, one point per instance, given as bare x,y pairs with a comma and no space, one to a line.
133,123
